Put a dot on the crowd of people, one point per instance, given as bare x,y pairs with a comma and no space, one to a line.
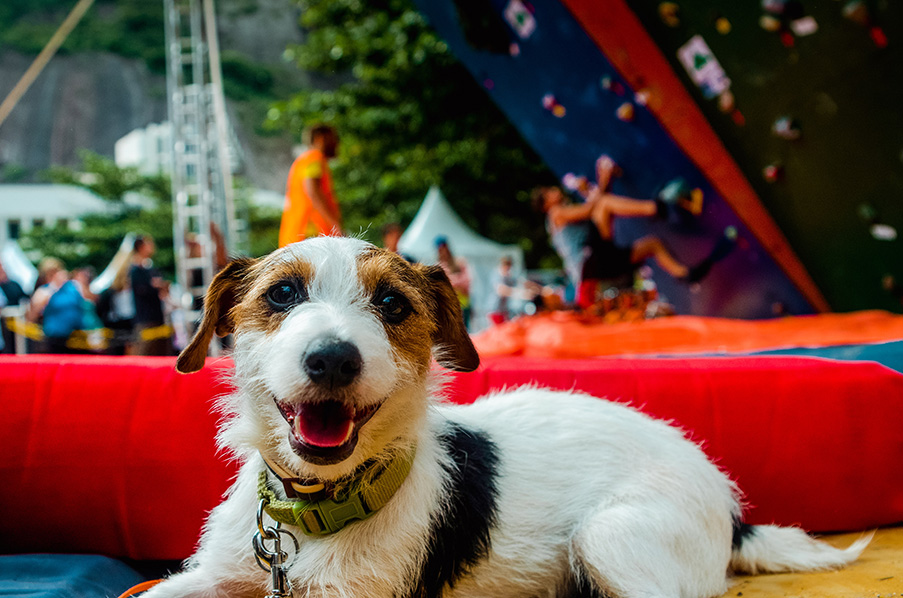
63,315
130,315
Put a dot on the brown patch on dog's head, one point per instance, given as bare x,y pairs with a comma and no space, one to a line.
384,274
222,295
455,349
436,320
254,312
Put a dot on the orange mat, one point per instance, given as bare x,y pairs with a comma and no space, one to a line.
571,335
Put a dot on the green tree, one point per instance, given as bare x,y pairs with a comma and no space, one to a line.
96,240
410,116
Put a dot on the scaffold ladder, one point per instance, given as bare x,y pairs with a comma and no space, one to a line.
203,207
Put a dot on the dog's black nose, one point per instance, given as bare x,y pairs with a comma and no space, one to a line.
333,363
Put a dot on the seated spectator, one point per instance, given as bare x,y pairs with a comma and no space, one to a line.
149,290
458,273
69,309
12,295
116,309
13,291
508,288
51,276
505,287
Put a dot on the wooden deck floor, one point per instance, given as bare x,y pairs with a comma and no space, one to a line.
877,573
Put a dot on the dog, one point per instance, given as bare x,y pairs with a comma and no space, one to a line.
337,420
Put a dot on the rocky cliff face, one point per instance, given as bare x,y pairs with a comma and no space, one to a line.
90,100
80,101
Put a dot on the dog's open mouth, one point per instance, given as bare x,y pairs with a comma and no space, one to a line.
324,431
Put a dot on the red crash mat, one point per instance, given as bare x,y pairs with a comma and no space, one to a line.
117,455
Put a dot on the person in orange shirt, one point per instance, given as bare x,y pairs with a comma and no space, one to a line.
310,206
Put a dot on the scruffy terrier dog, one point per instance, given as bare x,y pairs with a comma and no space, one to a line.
392,494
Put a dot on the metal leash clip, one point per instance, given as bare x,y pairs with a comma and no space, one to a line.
273,561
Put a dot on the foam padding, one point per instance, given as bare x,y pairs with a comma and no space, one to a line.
107,455
564,334
117,456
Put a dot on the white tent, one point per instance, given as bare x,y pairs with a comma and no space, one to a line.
18,267
436,218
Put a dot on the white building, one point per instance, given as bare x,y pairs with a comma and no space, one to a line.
148,149
24,207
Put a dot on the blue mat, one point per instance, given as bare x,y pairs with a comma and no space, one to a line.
887,354
65,576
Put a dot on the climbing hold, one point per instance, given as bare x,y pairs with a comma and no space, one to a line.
669,12
787,128
626,112
789,10
787,38
804,26
609,84
867,212
722,26
643,96
878,36
520,16
726,101
577,183
769,23
773,172
858,12
775,7
883,232
551,103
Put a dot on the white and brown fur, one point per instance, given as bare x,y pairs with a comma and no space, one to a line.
529,493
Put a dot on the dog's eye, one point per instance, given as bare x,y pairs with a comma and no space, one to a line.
393,306
284,295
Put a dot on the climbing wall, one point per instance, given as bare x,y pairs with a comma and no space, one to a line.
576,91
817,88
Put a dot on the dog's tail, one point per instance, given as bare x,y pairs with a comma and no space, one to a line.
774,549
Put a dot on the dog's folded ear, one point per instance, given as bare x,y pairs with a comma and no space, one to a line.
454,349
222,295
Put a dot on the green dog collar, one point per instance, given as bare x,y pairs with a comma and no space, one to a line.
361,497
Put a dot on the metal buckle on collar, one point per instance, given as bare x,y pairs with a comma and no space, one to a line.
327,516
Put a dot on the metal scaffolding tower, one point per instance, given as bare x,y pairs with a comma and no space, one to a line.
203,207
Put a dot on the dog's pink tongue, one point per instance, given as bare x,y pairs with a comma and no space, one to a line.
325,424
